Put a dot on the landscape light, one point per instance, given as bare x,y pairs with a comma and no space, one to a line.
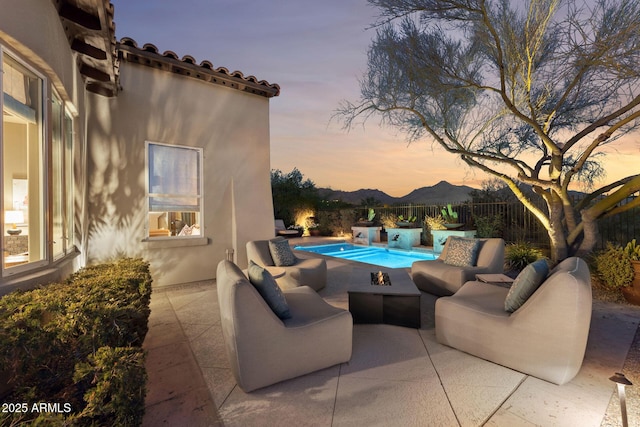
622,382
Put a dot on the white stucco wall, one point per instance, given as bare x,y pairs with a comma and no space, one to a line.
231,126
32,29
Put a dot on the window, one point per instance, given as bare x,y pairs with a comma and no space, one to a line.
23,178
62,175
37,208
174,185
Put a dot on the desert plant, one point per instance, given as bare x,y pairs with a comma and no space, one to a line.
388,220
371,214
435,222
613,267
407,219
520,254
632,250
450,216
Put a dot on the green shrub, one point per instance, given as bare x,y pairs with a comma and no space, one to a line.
613,267
115,378
336,222
46,333
519,255
488,226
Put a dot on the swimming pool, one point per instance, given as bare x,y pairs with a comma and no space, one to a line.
390,258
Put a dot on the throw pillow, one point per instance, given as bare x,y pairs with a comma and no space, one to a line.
186,230
266,285
462,252
527,282
281,253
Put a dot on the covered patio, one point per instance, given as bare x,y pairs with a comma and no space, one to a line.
396,376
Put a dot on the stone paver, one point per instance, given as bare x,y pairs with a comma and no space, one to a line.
397,376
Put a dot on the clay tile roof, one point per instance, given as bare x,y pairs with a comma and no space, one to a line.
188,58
148,47
149,55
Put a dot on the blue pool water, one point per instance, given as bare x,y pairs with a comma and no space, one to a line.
390,258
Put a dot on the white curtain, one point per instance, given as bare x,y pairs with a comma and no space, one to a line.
174,178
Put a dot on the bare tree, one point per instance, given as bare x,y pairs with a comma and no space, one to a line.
529,92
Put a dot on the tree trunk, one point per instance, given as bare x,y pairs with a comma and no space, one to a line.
557,238
589,235
559,249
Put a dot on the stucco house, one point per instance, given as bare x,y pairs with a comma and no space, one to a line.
113,149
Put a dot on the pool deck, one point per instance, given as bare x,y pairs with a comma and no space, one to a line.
396,376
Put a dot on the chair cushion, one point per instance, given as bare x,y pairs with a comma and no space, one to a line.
462,252
266,285
281,253
527,282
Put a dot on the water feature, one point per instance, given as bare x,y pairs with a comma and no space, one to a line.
390,258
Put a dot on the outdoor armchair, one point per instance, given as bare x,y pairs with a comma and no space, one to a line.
310,272
281,230
440,277
545,337
264,349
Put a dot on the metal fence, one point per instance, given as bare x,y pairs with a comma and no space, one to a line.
514,222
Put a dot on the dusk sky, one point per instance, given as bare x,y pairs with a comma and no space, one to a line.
316,51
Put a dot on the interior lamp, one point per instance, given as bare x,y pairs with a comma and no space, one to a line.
13,218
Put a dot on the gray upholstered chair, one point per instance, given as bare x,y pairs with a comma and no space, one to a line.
281,230
546,337
310,272
262,348
440,278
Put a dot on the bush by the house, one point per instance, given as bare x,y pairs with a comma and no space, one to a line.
76,344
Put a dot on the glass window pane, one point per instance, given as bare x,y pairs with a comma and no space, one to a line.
68,181
173,171
174,190
57,168
22,164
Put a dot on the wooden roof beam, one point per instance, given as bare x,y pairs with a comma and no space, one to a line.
86,49
94,73
79,16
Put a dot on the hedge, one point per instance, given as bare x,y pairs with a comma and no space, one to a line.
71,351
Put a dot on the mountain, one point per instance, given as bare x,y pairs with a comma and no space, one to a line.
442,192
355,197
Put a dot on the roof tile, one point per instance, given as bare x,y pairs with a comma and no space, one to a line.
149,55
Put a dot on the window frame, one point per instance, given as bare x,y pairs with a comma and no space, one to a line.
63,152
200,196
44,147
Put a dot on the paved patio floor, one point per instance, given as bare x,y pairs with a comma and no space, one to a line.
396,377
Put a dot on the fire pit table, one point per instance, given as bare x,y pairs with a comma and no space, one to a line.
394,300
